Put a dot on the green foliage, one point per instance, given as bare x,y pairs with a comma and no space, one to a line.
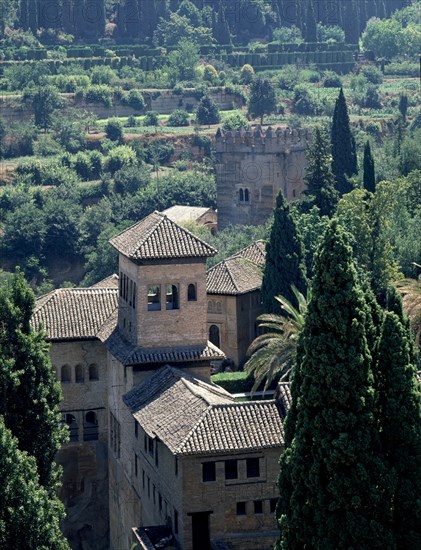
235,121
151,119
372,73
130,179
262,99
103,75
30,392
207,111
43,101
410,153
246,74
387,38
98,93
400,420
369,178
210,74
344,156
303,102
284,260
319,177
334,426
331,80
135,99
290,35
234,382
183,61
179,118
330,33
119,157
114,130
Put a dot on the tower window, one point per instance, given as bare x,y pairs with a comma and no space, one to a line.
71,422
241,193
253,469
258,507
66,375
241,508
93,372
90,427
79,374
244,195
154,298
191,293
231,471
172,301
208,471
214,335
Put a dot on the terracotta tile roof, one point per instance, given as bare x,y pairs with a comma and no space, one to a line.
157,237
74,313
239,273
283,397
129,354
193,417
108,282
179,213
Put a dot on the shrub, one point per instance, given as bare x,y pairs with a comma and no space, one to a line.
246,74
130,179
131,122
151,119
120,157
331,80
371,73
235,121
99,93
103,75
178,89
136,100
303,102
114,130
290,34
158,151
179,118
210,74
287,78
46,146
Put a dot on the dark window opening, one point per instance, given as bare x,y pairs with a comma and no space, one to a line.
66,375
214,335
191,293
135,465
253,467
93,372
241,195
241,508
231,470
258,506
176,466
90,427
150,445
154,298
246,195
136,429
172,301
273,502
208,471
176,522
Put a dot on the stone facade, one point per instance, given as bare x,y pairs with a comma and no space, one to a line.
253,165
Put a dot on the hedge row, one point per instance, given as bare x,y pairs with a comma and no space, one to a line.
24,53
259,60
100,51
274,47
239,382
340,68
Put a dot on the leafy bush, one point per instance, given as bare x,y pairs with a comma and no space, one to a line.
179,118
46,146
130,179
114,130
330,33
119,157
331,80
372,73
135,99
235,121
151,119
287,78
99,93
178,89
368,97
234,382
246,74
158,152
303,102
210,74
290,35
103,75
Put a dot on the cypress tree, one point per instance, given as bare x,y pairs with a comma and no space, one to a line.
221,31
369,177
400,421
33,16
29,392
284,260
29,515
207,111
344,155
262,100
350,19
23,15
319,177
67,16
311,26
333,467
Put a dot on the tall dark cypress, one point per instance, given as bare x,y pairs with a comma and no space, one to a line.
67,17
221,31
334,469
400,421
33,16
319,177
284,259
344,155
311,26
369,177
350,20
23,15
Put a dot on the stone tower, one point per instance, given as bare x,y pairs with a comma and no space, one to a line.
253,165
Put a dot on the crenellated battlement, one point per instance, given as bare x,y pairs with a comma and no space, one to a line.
266,140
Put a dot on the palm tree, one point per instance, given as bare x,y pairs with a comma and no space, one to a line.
410,289
273,352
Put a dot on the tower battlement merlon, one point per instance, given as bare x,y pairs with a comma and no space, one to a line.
256,135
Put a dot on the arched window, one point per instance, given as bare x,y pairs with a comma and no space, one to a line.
241,195
246,195
71,422
93,372
79,376
172,301
214,335
191,293
66,374
90,427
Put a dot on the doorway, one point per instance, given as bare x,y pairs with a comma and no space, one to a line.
200,531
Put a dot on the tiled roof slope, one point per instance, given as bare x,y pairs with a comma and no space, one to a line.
69,313
193,417
239,273
180,213
283,397
157,237
108,282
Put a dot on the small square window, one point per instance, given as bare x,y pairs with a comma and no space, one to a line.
231,471
253,467
241,508
208,471
273,503
258,506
